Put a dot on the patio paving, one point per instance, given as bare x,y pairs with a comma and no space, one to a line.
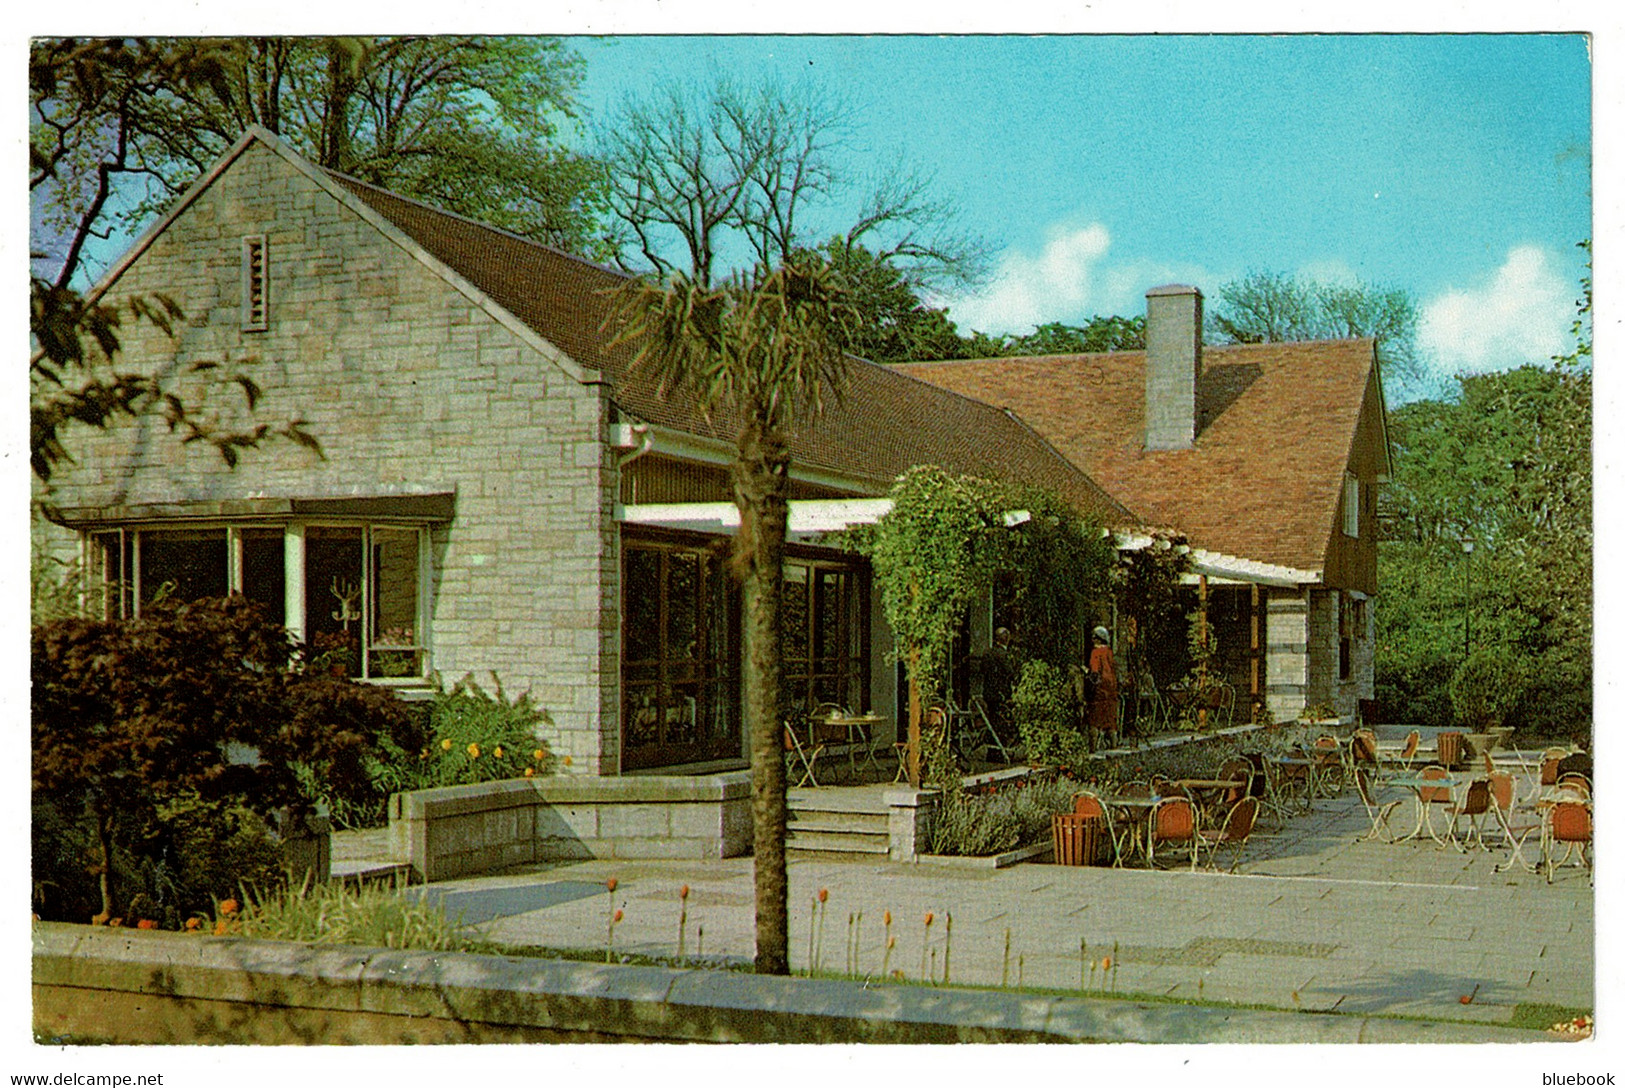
1313,920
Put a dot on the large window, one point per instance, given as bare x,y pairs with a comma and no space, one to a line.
680,690
826,637
352,593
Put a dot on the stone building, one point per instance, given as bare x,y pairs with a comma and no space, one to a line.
499,492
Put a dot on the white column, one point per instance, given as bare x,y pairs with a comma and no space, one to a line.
293,579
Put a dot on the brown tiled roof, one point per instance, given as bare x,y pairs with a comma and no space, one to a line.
1276,425
886,422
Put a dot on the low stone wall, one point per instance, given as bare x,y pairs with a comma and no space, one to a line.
92,984
1193,752
458,831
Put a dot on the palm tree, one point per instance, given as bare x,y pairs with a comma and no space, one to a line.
760,351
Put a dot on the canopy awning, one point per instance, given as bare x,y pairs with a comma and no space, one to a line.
811,519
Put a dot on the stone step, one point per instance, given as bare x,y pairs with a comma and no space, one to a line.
839,842
831,819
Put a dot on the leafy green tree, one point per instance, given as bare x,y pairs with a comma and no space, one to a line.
1272,307
188,702
1506,463
762,351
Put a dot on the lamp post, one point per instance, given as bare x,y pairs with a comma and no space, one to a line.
1467,544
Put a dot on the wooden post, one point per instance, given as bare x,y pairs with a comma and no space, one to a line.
1254,692
914,714
914,709
1201,634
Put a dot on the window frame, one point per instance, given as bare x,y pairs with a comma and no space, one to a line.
123,599
1351,506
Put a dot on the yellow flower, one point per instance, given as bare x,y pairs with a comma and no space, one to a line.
497,751
567,761
530,772
538,755
445,745
473,750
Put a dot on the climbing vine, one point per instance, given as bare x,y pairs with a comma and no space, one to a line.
946,539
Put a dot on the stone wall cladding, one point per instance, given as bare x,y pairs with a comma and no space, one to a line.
409,386
1286,654
458,831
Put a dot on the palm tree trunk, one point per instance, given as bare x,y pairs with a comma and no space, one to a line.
761,489
104,844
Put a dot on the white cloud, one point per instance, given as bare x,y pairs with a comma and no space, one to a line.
1069,280
1521,314
1029,290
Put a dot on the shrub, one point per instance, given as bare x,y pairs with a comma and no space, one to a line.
195,854
1486,686
1043,710
978,824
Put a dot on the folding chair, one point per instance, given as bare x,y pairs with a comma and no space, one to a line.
1328,757
1237,829
1088,806
1475,805
1405,755
1378,812
1514,831
806,755
1172,822
983,731
1569,823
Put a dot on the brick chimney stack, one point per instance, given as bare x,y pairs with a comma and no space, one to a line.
1173,365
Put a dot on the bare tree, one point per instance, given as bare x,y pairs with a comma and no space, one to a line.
704,179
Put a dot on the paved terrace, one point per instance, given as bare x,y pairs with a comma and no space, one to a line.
1313,919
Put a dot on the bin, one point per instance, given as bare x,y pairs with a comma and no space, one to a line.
1078,839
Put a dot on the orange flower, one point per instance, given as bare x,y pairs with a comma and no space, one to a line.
619,914
228,906
530,772
929,918
1106,964
682,893
146,923
194,922
1466,999
610,883
887,917
116,922
567,761
473,750
891,942
823,895
220,928
538,755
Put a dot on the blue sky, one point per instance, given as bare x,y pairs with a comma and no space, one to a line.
1455,166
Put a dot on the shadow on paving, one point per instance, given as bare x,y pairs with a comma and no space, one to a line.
470,906
1416,986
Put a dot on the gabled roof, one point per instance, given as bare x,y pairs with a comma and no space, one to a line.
1276,426
886,422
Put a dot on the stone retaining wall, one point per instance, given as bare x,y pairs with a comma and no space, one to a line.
457,831
92,984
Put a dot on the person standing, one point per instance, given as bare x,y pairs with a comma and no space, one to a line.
1103,670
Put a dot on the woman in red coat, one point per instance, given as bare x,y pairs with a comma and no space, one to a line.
1103,709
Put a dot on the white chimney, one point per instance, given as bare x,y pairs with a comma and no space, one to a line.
1173,365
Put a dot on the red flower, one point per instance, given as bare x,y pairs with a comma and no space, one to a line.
146,923
610,883
823,895
618,914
